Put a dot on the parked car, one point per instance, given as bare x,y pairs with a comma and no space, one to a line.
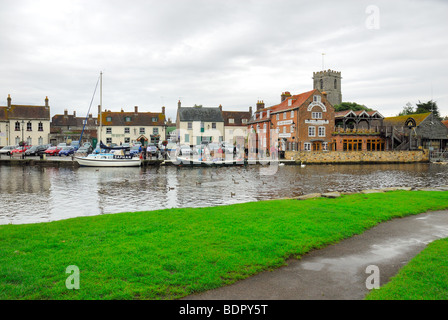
36,150
66,151
185,150
62,144
75,145
134,150
83,150
152,149
52,151
20,149
7,150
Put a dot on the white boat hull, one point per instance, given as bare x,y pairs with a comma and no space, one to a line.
108,161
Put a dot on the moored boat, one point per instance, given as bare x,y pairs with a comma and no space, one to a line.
109,160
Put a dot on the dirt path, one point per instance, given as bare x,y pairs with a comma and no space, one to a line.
339,271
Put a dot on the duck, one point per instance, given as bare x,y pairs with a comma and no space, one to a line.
302,164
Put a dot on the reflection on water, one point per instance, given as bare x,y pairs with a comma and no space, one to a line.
36,194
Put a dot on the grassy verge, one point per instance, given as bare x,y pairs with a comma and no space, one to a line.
424,278
167,254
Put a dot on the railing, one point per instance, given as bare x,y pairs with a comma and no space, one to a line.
438,156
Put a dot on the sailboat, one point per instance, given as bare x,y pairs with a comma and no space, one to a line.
115,157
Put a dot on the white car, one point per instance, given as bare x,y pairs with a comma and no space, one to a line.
184,150
7,150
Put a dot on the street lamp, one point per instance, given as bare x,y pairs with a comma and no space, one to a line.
23,142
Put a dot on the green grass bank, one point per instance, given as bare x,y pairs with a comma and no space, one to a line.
425,277
168,254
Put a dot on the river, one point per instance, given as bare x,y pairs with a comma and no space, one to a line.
41,194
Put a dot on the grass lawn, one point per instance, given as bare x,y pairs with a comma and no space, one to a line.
168,254
425,277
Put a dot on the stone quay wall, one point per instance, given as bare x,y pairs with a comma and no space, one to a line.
358,156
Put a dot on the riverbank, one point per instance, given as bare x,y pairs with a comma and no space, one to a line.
171,253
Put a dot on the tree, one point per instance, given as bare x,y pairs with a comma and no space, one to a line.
421,107
408,109
430,106
350,106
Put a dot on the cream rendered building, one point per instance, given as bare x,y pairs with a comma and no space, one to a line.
24,123
131,127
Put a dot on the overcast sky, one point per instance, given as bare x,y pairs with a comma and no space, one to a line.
212,52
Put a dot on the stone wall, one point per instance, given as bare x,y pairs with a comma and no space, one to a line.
359,156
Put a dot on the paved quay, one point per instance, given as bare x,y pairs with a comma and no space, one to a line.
338,272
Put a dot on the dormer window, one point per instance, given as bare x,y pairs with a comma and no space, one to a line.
127,119
289,102
108,119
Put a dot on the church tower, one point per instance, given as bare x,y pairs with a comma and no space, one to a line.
329,81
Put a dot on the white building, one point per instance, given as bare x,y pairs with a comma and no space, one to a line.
131,127
24,123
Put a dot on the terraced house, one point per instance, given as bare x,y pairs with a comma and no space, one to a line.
131,127
27,123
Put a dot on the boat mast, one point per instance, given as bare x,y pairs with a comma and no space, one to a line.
101,105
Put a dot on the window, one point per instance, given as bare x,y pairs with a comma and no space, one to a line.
335,84
108,140
284,115
268,113
142,131
155,119
231,120
321,131
108,130
108,119
292,113
17,126
187,137
127,119
321,84
190,125
29,141
127,130
316,98
213,125
40,127
29,126
316,115
244,120
155,130
17,140
325,146
289,102
278,116
127,140
202,126
307,146
40,141
311,131
284,129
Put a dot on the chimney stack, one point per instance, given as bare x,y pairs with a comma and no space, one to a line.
178,104
260,105
65,113
285,95
250,110
46,101
220,107
136,109
74,114
9,101
163,110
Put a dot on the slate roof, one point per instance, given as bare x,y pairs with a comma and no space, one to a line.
237,116
136,119
200,114
71,120
27,112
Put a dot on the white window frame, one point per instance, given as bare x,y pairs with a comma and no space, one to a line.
316,115
324,146
307,146
321,131
316,98
292,113
278,116
311,131
108,130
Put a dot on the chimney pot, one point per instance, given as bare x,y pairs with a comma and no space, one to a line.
178,104
9,101
163,110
